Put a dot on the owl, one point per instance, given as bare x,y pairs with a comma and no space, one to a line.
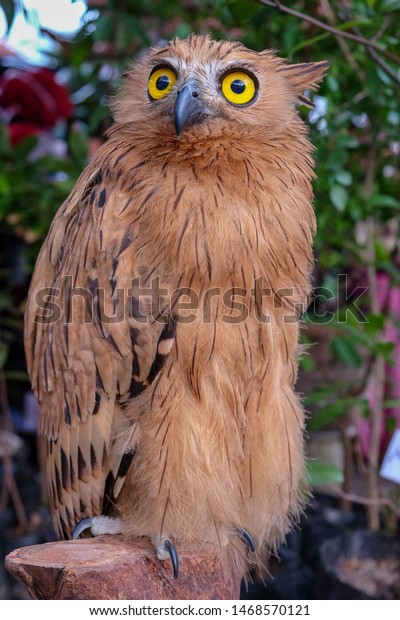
162,322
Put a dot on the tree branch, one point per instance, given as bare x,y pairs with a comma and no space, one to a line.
335,31
374,55
365,501
342,44
379,374
379,61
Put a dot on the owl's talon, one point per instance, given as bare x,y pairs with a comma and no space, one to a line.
247,539
98,525
174,556
165,549
84,524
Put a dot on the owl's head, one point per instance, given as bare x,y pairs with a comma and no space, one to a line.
197,87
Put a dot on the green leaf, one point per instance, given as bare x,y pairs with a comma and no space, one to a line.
5,191
23,149
348,141
104,28
321,392
332,83
364,407
383,200
393,117
384,76
328,413
391,404
346,26
375,324
392,5
323,473
391,424
337,158
308,42
183,30
78,143
354,331
4,141
346,352
385,349
343,177
339,197
307,363
386,265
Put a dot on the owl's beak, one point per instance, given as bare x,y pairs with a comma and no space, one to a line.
189,108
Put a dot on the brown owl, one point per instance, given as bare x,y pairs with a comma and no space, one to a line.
163,316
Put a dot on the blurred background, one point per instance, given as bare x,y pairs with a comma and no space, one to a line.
59,63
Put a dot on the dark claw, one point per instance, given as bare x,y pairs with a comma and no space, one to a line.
170,547
84,524
247,539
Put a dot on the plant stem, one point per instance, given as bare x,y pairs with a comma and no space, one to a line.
378,372
348,470
5,416
366,501
9,486
10,489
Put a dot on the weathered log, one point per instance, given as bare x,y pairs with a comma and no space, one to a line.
113,568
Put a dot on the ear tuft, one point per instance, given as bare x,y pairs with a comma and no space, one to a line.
304,76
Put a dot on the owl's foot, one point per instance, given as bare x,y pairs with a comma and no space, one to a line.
97,525
107,525
247,538
165,549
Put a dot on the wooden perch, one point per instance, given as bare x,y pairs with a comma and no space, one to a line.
112,568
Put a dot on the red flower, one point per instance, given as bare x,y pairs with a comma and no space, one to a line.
19,131
32,101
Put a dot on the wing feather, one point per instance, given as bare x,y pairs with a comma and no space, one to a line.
84,365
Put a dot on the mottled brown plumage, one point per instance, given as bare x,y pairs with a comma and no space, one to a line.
186,428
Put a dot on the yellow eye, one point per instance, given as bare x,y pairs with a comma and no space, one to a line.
238,87
161,82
